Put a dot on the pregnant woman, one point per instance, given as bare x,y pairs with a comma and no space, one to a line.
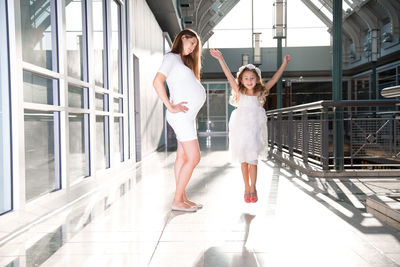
181,70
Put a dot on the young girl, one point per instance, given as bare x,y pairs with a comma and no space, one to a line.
248,123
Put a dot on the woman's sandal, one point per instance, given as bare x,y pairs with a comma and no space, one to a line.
253,197
247,197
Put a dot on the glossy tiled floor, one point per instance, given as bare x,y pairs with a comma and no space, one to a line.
296,222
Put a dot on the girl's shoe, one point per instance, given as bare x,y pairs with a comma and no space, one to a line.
247,197
253,197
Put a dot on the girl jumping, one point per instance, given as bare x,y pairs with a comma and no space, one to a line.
248,122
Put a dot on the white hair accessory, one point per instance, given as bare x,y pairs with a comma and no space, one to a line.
249,67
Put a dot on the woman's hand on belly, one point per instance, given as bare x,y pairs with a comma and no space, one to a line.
178,107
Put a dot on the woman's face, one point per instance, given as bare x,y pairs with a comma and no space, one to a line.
189,44
249,79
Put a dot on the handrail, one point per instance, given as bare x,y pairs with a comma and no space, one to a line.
343,103
368,135
312,105
393,91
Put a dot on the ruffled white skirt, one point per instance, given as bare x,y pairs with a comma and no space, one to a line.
248,135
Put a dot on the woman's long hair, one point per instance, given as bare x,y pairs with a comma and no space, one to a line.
258,88
193,60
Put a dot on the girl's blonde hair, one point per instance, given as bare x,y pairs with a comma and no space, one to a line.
192,60
258,88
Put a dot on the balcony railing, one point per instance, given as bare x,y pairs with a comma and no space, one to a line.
305,137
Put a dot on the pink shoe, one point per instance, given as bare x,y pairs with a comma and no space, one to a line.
253,197
247,197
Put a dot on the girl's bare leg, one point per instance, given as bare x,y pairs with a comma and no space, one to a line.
180,160
253,177
245,173
192,153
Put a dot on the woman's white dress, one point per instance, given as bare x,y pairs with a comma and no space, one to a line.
183,87
248,131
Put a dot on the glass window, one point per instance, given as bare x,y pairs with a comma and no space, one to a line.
38,33
100,101
98,42
78,146
5,149
39,89
363,91
303,92
386,78
75,42
118,139
78,97
41,160
101,143
115,47
118,105
398,75
217,107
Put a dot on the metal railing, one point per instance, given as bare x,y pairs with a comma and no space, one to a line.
308,133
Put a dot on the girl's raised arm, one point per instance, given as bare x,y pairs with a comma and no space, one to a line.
218,55
277,74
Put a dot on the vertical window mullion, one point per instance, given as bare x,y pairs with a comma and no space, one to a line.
85,41
120,76
6,203
108,127
57,151
121,138
107,140
87,143
128,84
54,39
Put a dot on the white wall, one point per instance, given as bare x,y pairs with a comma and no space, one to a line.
147,45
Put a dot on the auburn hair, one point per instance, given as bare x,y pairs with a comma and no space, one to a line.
258,88
193,60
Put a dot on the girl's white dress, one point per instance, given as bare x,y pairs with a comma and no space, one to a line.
248,131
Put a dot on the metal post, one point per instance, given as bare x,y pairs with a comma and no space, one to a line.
278,64
373,81
272,131
305,136
290,133
279,131
252,28
337,82
374,39
280,22
325,139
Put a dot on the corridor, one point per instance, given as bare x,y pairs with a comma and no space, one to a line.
296,222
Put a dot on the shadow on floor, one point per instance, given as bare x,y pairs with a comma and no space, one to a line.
331,195
218,256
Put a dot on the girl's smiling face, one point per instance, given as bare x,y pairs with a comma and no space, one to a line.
249,79
189,44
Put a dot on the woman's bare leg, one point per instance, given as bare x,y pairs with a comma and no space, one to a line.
192,153
180,160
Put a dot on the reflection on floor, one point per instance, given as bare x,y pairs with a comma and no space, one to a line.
297,222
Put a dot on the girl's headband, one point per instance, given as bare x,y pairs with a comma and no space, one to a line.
249,67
